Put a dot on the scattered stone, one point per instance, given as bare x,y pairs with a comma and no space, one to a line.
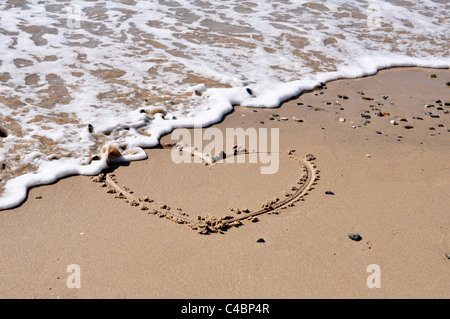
403,120
438,101
429,105
379,132
354,236
275,115
385,97
3,132
435,116
260,240
297,119
448,256
393,122
433,76
271,118
440,125
408,127
90,128
262,122
249,91
329,193
368,155
283,118
367,98
300,103
448,84
341,119
38,197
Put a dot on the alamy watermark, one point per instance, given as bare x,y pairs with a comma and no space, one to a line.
74,279
252,143
374,279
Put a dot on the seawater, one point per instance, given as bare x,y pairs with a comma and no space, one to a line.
78,76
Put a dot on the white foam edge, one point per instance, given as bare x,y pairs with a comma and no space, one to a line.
221,102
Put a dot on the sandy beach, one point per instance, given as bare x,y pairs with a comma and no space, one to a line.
386,181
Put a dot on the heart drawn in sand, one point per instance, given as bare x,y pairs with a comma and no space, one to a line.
308,176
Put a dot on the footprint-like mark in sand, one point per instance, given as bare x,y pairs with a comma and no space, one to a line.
209,224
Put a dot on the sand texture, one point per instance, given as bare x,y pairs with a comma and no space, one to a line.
155,229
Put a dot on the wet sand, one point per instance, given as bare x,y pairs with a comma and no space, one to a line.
391,190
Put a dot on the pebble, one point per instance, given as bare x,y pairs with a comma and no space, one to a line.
271,118
283,118
90,128
393,122
448,256
275,115
354,236
300,103
429,105
260,240
262,122
408,127
379,132
38,197
435,116
329,193
448,84
341,119
433,76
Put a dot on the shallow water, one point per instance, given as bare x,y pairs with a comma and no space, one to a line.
75,75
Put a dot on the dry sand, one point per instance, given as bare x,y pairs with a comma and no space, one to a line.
396,199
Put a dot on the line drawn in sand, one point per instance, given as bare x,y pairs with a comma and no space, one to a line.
208,224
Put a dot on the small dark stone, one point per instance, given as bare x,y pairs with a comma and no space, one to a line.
141,111
3,132
438,101
262,122
354,236
38,197
329,193
249,91
300,103
260,240
379,132
255,111
275,115
448,84
90,128
345,97
433,76
271,118
96,158
385,97
434,116
448,256
408,127
3,166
